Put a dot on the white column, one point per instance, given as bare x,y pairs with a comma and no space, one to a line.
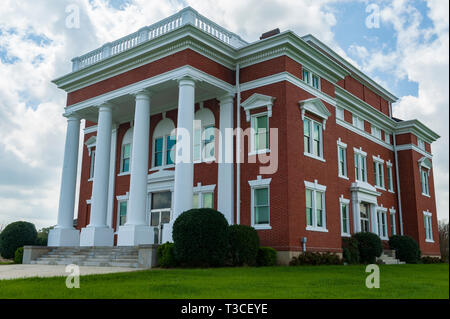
97,233
225,198
356,215
136,231
184,165
64,234
112,174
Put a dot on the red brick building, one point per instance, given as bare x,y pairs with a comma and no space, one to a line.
321,156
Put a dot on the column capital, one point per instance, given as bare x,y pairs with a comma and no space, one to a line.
72,116
142,94
226,98
186,80
105,106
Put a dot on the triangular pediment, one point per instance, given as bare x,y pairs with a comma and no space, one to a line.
258,100
316,107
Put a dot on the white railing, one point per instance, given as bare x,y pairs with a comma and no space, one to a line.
183,17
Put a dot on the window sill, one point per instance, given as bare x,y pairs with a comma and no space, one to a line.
431,241
391,191
343,177
323,230
123,174
426,195
262,227
206,160
160,168
380,188
346,235
253,153
90,179
384,238
314,157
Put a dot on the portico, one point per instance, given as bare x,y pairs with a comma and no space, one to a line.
139,102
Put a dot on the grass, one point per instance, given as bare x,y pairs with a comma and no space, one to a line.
334,282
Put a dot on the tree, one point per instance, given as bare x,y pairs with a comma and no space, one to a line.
443,239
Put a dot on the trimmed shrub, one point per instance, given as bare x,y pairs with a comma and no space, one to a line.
15,235
201,238
267,256
350,250
166,256
370,247
18,255
431,260
316,258
244,244
406,248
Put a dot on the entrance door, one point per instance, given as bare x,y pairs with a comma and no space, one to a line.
160,213
364,216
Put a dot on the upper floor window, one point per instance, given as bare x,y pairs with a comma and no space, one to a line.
392,219
92,164
315,206
313,137
311,78
382,223
360,165
340,113
260,203
387,137
90,144
125,158
428,226
163,143
358,122
378,171
424,181
260,132
345,216
421,144
203,196
342,159
204,136
390,177
376,132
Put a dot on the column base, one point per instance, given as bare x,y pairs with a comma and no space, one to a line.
97,236
134,235
59,237
167,233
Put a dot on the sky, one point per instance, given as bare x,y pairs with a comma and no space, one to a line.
403,45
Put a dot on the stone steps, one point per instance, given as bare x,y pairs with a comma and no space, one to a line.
91,256
388,258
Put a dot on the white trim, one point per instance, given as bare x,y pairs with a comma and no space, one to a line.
342,145
321,189
428,215
392,216
259,183
314,157
315,186
316,107
90,129
311,138
378,159
346,202
407,147
255,101
253,150
204,188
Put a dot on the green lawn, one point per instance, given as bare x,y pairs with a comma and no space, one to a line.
397,281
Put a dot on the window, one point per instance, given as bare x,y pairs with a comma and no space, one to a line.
312,137
358,122
387,137
315,206
345,216
424,181
364,212
376,132
160,213
260,203
311,78
203,200
342,159
421,144
260,133
378,171
389,177
164,143
204,141
392,218
382,223
360,165
340,113
91,167
125,157
123,212
428,227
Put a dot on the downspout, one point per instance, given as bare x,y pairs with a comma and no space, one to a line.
238,147
397,175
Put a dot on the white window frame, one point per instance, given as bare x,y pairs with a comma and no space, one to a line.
382,215
390,177
343,146
428,224
164,152
258,184
346,203
91,165
121,199
361,157
375,131
321,189
421,144
309,80
340,113
424,181
387,137
311,139
358,122
393,223
203,158
129,141
200,191
253,148
379,172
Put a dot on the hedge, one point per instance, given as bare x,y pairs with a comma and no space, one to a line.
267,256
15,235
243,245
406,248
369,246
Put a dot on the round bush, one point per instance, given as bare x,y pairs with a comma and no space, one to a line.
201,238
15,235
267,256
406,248
350,250
18,255
244,244
370,247
166,256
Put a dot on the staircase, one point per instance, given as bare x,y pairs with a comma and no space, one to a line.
388,258
91,256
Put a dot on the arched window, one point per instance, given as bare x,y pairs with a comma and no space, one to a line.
163,144
204,141
125,156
